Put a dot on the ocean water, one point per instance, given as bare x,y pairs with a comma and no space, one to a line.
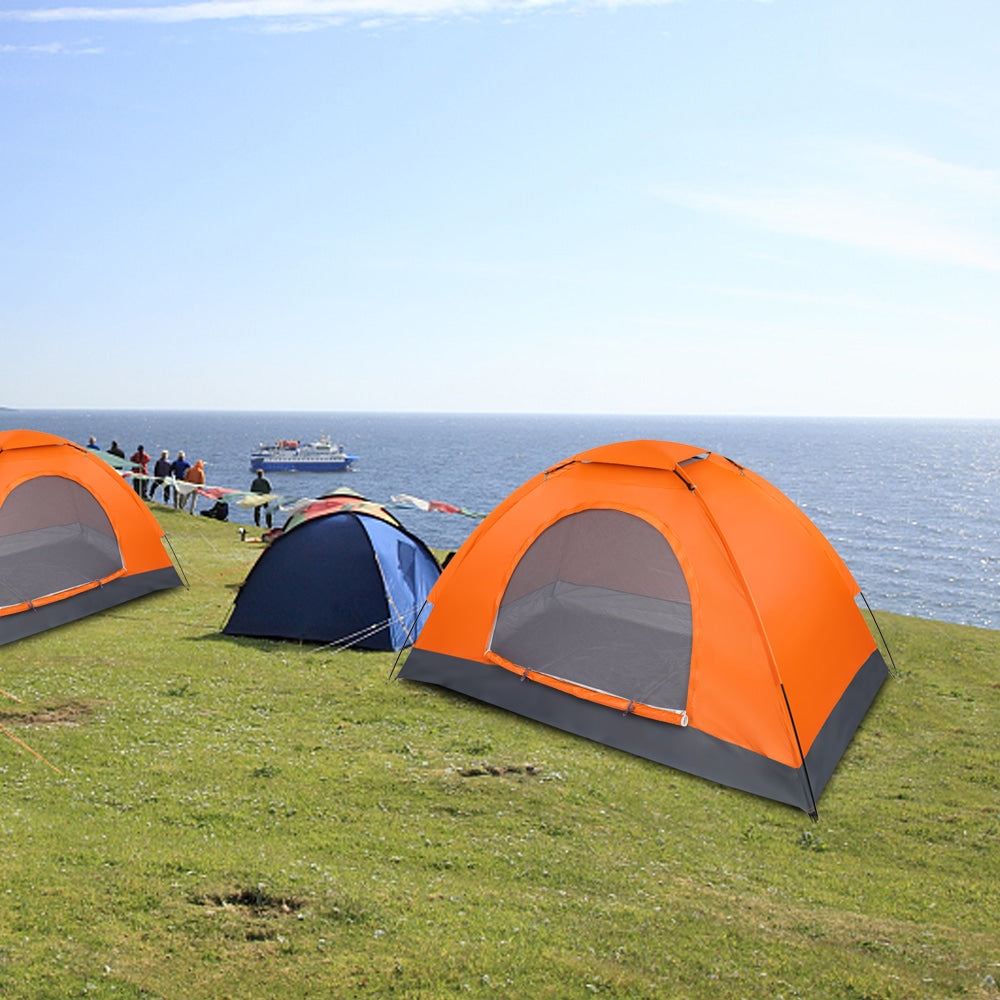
910,505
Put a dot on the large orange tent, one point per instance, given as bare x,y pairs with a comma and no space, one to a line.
75,538
668,602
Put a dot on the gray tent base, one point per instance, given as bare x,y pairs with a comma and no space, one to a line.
686,748
126,588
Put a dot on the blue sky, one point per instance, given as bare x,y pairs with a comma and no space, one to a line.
699,207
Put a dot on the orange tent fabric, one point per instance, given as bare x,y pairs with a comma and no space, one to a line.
75,538
666,601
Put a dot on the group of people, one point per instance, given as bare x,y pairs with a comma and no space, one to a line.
179,469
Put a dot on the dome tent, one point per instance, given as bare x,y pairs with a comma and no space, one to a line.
668,602
75,538
345,577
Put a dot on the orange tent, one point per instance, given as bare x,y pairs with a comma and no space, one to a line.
75,538
668,602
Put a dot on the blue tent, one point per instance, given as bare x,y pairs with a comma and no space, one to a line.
346,578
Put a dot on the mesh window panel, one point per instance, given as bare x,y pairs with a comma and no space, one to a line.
54,535
599,599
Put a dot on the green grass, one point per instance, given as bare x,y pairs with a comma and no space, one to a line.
253,819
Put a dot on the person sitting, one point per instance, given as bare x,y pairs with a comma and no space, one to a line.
219,510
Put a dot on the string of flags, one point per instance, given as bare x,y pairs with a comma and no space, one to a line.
291,505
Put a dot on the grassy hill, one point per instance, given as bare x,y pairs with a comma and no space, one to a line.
250,819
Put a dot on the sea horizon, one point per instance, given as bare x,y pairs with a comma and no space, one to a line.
554,414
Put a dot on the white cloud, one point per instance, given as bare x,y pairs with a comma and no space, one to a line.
53,49
843,217
290,10
930,171
888,199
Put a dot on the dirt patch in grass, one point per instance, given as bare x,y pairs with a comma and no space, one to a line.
496,770
68,713
255,900
251,913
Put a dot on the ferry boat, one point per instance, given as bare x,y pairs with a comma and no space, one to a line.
293,456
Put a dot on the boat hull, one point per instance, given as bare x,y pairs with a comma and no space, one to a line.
271,463
292,456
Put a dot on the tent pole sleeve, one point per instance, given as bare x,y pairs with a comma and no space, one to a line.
790,730
813,812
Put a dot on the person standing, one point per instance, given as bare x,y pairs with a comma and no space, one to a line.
161,469
116,450
178,469
196,476
261,485
139,460
92,443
